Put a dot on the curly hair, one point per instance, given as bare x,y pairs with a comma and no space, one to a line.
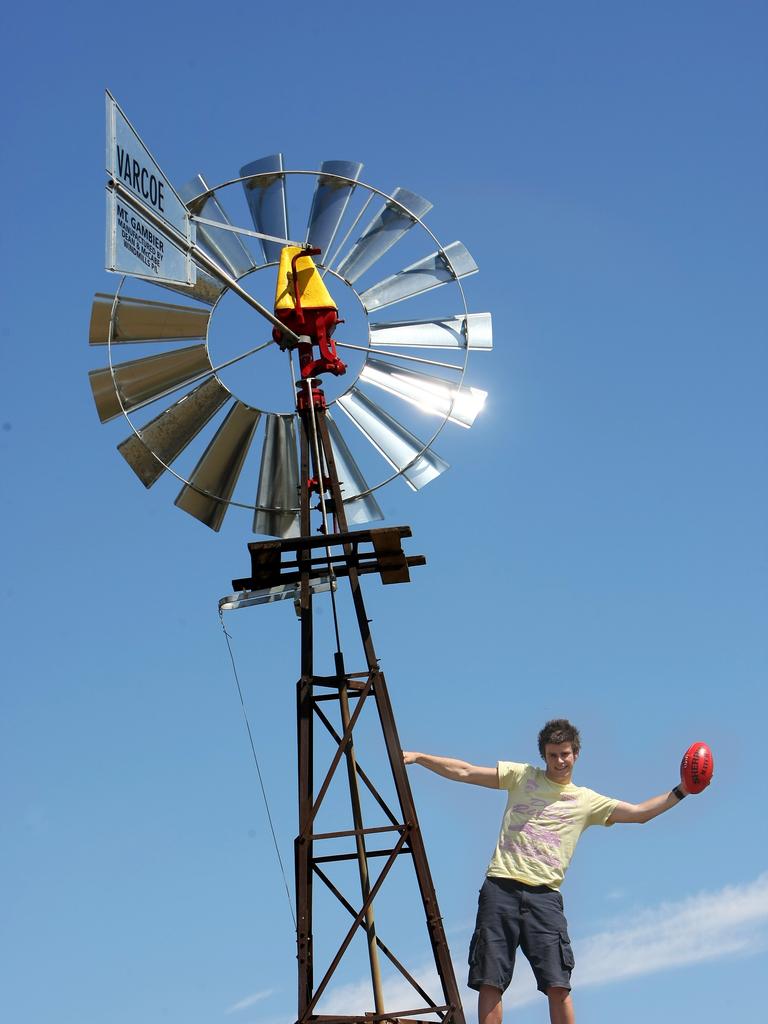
559,730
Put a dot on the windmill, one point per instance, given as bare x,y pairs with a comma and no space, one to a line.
342,423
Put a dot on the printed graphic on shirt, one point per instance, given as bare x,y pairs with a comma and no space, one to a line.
542,824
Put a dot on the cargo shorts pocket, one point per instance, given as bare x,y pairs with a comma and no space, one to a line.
476,946
566,952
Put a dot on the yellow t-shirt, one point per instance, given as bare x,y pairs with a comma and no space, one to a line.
542,824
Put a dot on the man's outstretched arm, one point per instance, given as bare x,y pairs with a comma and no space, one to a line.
625,813
451,768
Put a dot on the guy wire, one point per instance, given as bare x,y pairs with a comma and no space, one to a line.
258,769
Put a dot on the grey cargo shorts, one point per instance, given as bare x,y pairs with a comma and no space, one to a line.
512,914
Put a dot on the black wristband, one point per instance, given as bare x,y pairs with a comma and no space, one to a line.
679,793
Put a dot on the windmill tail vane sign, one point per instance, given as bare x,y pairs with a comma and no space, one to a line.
357,391
149,230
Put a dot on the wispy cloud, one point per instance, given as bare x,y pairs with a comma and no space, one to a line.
703,927
708,926
251,1000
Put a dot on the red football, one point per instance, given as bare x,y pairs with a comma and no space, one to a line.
697,767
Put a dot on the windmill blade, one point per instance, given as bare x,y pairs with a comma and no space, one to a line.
329,203
386,228
141,320
278,490
266,201
474,331
399,447
166,436
359,507
206,288
223,246
143,380
439,268
430,394
219,468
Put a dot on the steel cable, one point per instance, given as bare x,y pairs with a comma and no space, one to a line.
227,638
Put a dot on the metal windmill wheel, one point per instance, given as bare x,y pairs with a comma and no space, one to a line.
406,377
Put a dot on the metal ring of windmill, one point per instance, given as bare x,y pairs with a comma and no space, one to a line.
350,244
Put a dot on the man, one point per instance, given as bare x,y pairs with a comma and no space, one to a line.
520,903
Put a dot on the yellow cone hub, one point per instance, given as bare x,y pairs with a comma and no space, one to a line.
312,291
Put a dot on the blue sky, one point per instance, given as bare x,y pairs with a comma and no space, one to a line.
597,549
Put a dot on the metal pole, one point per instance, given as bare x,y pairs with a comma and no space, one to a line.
303,850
